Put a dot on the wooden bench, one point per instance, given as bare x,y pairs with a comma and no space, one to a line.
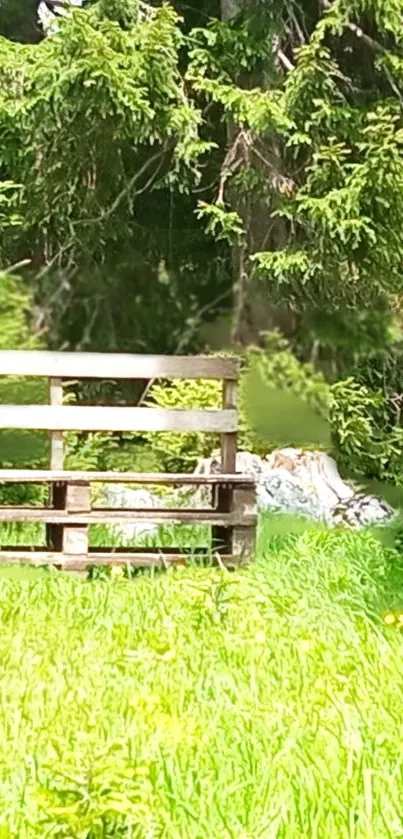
231,515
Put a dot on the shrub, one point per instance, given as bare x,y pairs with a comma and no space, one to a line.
176,452
279,369
367,438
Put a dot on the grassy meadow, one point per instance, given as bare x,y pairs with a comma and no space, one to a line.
202,704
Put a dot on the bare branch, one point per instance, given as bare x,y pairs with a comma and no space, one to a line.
280,55
284,60
237,154
159,155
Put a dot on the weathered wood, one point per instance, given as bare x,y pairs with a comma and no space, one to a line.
100,418
17,476
244,544
54,533
77,365
244,500
115,516
146,558
56,437
244,537
229,438
78,500
222,537
75,541
70,515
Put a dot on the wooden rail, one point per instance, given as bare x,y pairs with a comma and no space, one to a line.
37,476
78,365
70,513
99,418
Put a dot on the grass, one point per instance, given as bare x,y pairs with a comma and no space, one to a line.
201,704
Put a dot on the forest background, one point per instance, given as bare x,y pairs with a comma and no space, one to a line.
209,176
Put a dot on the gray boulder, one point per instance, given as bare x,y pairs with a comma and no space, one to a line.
306,483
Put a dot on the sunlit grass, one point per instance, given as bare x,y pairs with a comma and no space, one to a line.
202,704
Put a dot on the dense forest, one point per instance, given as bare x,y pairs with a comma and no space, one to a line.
179,177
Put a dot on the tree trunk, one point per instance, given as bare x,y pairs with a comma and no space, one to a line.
19,21
252,312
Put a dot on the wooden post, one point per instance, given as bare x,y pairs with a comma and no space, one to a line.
244,536
75,538
54,532
222,536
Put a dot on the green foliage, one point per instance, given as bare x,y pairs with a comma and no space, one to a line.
8,201
199,680
102,128
124,12
221,222
283,402
352,205
180,452
364,342
367,438
15,310
325,144
22,448
93,121
270,378
123,85
280,368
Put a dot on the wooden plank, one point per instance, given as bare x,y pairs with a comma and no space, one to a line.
243,543
100,418
159,558
69,476
114,516
54,533
77,365
56,437
229,439
245,501
61,476
222,537
78,500
75,540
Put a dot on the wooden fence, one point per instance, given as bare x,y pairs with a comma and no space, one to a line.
231,515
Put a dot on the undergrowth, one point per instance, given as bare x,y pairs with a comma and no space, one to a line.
200,703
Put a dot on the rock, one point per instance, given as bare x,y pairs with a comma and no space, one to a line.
306,483
117,495
49,20
249,464
362,511
302,483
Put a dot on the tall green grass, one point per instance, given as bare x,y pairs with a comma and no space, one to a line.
202,704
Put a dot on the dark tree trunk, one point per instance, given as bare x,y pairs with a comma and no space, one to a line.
19,21
252,312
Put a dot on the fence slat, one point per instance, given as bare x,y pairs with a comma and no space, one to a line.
76,365
32,476
114,516
100,418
